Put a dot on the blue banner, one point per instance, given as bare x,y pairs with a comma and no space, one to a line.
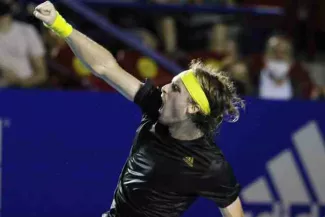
62,153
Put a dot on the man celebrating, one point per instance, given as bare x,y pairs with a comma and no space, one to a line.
173,160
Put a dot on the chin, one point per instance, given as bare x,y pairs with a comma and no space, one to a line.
162,120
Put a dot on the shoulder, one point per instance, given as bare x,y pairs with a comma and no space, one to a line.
210,150
147,90
209,157
218,166
218,182
149,99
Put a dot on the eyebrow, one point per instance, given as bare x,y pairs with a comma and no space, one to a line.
178,86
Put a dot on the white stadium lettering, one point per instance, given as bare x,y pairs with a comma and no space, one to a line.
288,182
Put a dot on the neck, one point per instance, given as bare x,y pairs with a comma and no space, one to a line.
185,130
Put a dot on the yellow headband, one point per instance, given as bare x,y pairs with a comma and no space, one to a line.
194,88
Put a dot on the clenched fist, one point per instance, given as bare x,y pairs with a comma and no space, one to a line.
46,12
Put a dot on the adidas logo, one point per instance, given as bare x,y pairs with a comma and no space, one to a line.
294,183
189,161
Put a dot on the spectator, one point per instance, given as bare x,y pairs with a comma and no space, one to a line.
223,54
240,76
22,61
167,29
276,74
222,51
140,26
222,44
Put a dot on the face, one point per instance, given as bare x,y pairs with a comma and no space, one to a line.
176,104
279,62
280,48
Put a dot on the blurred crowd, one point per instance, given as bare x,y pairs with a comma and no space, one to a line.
280,62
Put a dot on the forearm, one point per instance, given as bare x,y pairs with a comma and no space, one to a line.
102,63
93,55
39,75
34,80
9,77
99,60
30,82
11,80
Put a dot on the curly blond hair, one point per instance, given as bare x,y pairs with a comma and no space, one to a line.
224,102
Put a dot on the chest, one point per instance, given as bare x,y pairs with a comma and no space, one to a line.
166,166
14,43
271,90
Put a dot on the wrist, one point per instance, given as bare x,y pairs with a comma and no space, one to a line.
61,27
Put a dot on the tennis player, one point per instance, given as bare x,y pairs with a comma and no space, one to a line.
173,160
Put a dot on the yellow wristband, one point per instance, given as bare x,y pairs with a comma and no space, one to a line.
61,27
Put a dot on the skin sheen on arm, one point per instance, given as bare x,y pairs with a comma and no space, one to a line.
103,64
233,210
99,60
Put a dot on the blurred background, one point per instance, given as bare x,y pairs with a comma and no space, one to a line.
65,134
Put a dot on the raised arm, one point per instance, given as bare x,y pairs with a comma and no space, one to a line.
99,60
102,62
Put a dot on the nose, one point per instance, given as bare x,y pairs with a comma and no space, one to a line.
163,89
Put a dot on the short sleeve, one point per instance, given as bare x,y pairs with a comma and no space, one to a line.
220,184
34,42
148,98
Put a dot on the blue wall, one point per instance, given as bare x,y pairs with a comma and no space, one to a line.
63,151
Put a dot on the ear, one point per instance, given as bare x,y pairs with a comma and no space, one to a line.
192,108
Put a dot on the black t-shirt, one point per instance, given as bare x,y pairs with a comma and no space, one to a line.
163,176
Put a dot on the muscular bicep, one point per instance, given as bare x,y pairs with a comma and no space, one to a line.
103,64
233,210
119,79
